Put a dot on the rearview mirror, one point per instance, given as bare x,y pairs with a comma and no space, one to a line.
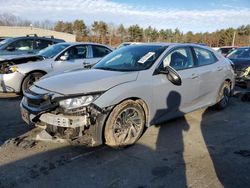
172,75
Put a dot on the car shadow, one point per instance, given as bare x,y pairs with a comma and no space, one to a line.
11,124
227,145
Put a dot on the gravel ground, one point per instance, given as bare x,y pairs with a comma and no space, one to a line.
206,148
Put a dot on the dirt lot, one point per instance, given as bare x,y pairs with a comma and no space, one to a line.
206,148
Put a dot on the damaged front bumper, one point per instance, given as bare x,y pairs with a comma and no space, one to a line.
44,112
10,83
243,78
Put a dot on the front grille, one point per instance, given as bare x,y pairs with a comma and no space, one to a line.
38,102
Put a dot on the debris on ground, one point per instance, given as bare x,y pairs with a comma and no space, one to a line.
45,136
21,142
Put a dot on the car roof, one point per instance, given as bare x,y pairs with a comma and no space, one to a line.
245,47
51,38
173,44
86,43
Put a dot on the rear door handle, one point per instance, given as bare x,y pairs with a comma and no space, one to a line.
219,68
194,76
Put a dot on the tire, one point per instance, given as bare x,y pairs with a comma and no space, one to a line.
125,124
30,79
223,96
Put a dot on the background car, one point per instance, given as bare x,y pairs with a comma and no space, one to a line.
241,59
225,50
128,90
127,44
58,58
30,44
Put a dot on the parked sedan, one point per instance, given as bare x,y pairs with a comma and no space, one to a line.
129,89
58,58
241,59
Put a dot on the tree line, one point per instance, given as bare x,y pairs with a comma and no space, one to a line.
106,33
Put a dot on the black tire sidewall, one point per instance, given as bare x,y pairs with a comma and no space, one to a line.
26,79
108,131
221,105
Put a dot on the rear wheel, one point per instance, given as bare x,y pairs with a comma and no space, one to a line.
125,124
223,96
30,79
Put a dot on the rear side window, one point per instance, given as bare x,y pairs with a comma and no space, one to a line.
100,51
41,44
204,57
76,52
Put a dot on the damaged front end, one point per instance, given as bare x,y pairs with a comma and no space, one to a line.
66,117
243,78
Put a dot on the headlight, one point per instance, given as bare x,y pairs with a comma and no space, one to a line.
77,102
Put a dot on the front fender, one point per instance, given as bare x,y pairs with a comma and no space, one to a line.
139,90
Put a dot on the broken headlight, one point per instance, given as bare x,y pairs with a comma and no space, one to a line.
78,102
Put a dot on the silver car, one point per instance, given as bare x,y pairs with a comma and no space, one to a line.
57,58
128,90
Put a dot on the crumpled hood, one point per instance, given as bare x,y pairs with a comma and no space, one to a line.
85,81
13,57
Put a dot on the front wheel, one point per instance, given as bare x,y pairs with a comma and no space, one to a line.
223,96
125,124
30,79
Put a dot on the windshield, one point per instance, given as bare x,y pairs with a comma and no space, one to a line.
131,58
53,50
6,41
241,53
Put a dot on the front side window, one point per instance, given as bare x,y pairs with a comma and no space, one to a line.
204,57
76,52
100,51
53,50
179,59
131,58
22,45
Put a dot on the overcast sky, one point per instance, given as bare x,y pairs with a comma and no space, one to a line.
194,15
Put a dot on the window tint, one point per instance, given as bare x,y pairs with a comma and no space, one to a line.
23,45
100,51
179,59
204,57
76,52
41,44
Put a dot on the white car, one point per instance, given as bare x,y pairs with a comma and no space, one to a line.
69,56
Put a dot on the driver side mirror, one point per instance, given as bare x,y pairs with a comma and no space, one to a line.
87,65
172,75
10,48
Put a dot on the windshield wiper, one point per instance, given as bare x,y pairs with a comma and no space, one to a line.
107,68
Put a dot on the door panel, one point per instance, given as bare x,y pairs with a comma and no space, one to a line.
170,100
73,58
211,76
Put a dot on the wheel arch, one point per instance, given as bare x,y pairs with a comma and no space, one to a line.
40,71
137,100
